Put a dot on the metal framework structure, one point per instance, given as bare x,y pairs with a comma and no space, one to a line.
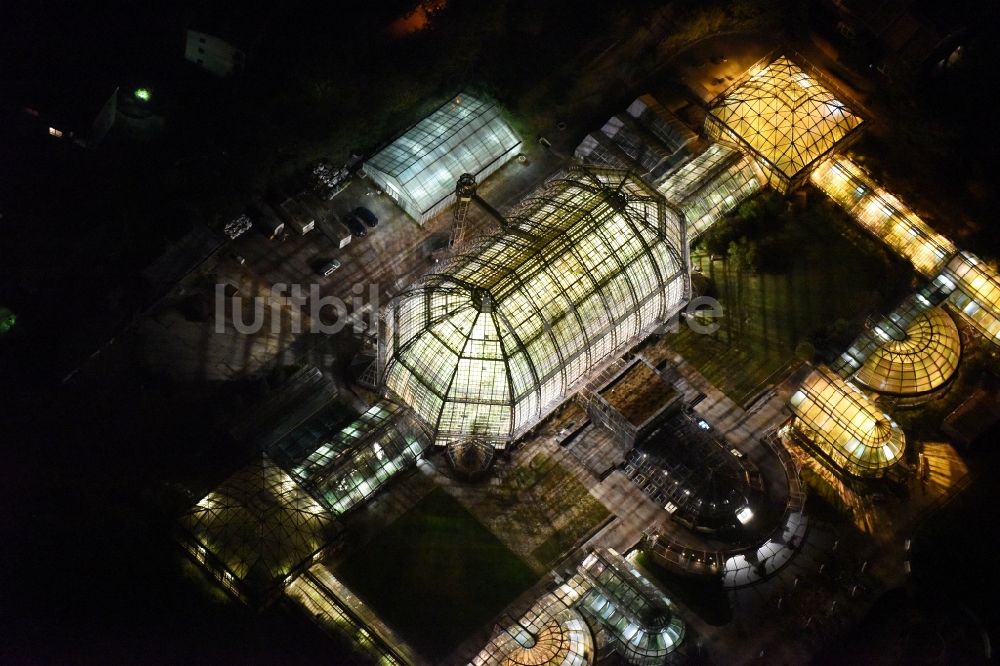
549,633
839,420
255,529
976,292
783,115
606,606
711,184
584,269
882,214
646,138
419,169
923,360
357,461
636,617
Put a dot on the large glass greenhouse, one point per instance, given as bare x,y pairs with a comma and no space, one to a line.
255,529
784,116
420,168
584,269
841,422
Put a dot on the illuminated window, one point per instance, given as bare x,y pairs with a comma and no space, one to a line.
56,133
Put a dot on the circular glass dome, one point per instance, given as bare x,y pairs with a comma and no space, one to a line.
922,361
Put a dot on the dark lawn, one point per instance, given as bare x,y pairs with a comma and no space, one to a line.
818,301
436,575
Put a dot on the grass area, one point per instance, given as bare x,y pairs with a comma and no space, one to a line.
550,499
805,285
591,514
436,575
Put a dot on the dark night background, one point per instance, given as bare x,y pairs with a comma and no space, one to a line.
90,569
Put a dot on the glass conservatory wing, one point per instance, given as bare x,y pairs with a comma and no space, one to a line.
380,443
925,359
882,214
976,293
711,184
845,425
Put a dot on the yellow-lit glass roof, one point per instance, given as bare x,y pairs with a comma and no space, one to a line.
882,214
977,292
784,115
923,361
585,268
839,419
259,523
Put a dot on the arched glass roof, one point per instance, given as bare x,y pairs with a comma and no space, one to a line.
844,424
882,214
584,269
549,633
923,361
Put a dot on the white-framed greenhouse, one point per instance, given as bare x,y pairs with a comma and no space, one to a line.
711,184
419,168
583,270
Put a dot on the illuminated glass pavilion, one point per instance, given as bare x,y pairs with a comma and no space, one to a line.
419,169
840,421
583,269
783,115
922,361
255,529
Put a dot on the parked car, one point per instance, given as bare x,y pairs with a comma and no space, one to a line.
329,267
356,226
366,216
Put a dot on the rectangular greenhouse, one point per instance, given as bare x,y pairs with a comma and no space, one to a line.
883,215
711,184
360,459
420,168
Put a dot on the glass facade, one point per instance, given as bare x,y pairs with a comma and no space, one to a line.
840,420
584,269
420,168
638,620
607,605
357,461
783,115
255,529
976,292
883,215
711,184
549,633
923,360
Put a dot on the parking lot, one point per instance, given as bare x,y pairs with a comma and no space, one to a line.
392,255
